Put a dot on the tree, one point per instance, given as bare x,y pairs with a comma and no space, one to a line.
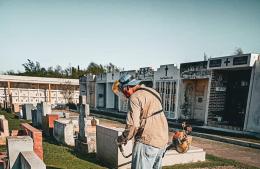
238,51
32,68
10,72
67,91
111,68
94,68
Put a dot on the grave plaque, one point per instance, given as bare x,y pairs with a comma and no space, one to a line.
215,63
240,60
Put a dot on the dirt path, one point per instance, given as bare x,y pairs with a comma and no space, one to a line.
244,155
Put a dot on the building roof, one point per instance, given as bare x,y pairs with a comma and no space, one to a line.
43,80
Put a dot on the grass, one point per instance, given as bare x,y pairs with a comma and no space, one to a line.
13,121
212,161
57,156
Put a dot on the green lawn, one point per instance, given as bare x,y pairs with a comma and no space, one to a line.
57,156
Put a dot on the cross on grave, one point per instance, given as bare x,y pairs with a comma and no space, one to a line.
166,70
227,62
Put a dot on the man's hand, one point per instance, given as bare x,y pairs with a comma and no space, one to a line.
121,140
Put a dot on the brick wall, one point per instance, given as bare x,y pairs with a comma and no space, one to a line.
36,135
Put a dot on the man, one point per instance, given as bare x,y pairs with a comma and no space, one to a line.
145,122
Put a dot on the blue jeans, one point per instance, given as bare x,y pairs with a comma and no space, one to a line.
146,157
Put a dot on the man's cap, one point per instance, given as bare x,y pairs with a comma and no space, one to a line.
127,80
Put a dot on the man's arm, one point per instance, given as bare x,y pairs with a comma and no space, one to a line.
132,120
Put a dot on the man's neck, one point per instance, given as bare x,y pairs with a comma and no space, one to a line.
136,87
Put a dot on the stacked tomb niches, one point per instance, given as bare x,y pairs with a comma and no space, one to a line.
166,82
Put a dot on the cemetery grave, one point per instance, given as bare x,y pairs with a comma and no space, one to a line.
57,155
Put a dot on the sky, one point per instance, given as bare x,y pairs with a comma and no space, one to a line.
129,33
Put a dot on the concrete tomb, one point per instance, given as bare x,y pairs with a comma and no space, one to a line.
86,141
166,83
194,89
109,153
27,108
48,123
230,94
64,131
4,129
21,155
107,149
29,160
41,111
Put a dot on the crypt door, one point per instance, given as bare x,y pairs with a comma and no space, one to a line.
236,98
200,99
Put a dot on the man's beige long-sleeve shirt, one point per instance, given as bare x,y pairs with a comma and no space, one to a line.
154,129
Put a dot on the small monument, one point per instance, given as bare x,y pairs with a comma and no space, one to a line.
86,141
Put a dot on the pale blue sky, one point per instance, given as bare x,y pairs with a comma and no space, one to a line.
128,33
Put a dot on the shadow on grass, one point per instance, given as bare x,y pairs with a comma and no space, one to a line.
50,167
91,157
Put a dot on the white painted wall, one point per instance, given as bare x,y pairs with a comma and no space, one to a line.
110,99
100,94
252,119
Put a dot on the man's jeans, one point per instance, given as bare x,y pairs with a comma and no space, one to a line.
146,157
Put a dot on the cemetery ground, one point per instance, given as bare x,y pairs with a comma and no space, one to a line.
219,155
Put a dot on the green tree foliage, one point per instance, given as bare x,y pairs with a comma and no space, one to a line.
32,68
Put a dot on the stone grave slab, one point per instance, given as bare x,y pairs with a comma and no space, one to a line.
194,154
